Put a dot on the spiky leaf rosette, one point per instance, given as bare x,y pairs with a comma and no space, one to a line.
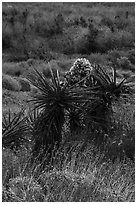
107,84
14,130
53,101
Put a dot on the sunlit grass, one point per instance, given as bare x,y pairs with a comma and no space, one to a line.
84,179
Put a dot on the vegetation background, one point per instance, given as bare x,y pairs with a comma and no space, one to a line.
53,35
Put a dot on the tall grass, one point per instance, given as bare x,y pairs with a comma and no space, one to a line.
83,179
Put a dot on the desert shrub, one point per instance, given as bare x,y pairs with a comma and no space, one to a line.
112,55
6,41
91,38
98,58
106,21
11,69
14,69
39,65
81,41
49,27
124,39
42,67
106,40
38,49
83,22
8,31
25,85
64,64
62,43
10,83
125,64
122,23
121,59
14,19
131,56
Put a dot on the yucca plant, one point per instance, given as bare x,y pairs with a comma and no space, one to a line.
14,130
85,76
107,84
53,101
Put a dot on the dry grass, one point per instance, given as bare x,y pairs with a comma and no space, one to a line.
83,179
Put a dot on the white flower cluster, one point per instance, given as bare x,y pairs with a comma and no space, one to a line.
80,69
81,65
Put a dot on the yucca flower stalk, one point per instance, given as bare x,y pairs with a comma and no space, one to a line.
81,69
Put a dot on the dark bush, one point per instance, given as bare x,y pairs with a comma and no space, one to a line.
25,85
106,21
6,41
91,38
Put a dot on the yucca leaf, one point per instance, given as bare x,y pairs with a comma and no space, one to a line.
41,83
55,80
114,74
119,85
104,74
58,78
